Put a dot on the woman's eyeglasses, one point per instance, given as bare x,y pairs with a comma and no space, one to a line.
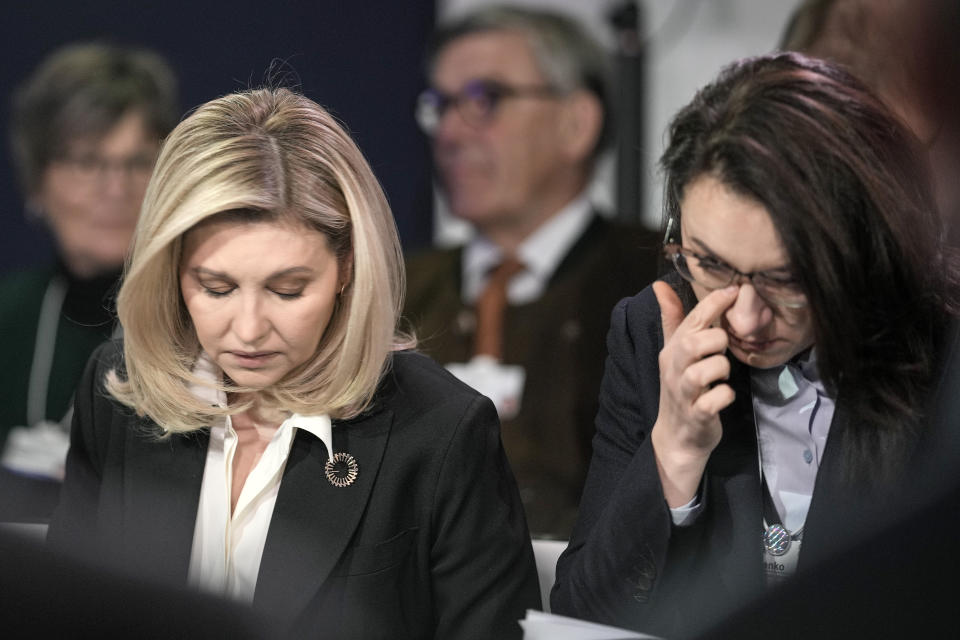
777,288
91,168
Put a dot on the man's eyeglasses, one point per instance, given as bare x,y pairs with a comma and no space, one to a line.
777,288
477,102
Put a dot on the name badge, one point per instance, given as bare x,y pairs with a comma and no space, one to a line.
502,383
40,450
778,567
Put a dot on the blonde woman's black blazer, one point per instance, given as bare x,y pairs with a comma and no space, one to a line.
429,541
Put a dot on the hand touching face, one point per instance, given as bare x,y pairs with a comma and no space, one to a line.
692,392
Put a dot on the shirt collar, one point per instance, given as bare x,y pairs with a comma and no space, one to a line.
543,250
807,363
204,368
206,389
540,253
777,385
319,425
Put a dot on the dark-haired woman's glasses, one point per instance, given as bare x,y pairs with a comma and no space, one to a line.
778,288
477,102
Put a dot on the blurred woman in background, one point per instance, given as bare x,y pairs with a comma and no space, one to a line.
85,131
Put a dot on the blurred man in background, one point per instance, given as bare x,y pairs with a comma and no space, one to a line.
518,110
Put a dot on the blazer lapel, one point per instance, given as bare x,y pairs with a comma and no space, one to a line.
736,489
313,521
161,494
830,504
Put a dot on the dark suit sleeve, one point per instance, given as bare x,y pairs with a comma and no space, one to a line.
612,568
73,527
483,570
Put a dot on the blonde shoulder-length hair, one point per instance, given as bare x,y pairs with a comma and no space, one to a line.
266,154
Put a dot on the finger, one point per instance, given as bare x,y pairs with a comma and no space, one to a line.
712,402
695,346
704,373
671,309
711,307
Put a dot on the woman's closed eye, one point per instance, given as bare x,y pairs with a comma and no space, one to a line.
287,287
217,290
222,291
711,264
779,279
287,294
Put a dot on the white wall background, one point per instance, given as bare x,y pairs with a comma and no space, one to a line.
689,41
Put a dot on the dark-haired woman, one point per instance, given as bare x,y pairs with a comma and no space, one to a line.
774,384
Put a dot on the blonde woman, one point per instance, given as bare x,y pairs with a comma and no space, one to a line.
261,432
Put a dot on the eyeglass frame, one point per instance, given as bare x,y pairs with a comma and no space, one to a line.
93,167
672,249
492,91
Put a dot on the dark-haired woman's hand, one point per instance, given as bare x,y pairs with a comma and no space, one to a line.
692,366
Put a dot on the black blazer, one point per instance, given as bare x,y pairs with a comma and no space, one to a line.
627,564
429,541
899,579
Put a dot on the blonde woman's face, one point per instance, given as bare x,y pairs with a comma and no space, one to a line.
260,295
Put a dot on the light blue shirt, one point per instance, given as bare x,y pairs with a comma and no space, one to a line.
793,413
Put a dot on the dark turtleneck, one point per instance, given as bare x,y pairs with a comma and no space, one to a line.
89,301
87,318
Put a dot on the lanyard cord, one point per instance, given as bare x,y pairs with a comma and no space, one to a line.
770,515
43,350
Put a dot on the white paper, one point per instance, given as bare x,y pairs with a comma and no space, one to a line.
502,383
40,450
548,626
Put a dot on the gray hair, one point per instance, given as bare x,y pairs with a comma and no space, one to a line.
83,90
566,54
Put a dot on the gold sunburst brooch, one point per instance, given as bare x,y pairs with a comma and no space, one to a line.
342,469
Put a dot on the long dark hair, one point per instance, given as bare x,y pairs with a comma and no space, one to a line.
848,191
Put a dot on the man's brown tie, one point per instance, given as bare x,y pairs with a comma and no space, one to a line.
490,308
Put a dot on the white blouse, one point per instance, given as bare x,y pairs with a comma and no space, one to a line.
226,551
